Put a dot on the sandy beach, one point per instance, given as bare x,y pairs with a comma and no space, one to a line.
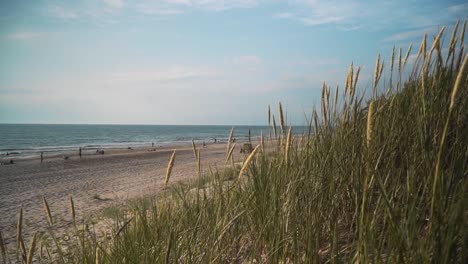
94,181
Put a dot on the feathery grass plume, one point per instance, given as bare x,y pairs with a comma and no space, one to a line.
247,161
262,141
350,76
356,78
72,208
324,105
229,141
369,124
391,66
316,127
335,101
462,33
98,254
288,145
269,115
461,49
453,41
194,147
47,209
281,116
19,228
407,54
435,44
399,60
381,70
346,85
376,71
461,77
199,163
399,69
229,154
3,248
169,168
32,248
424,46
274,126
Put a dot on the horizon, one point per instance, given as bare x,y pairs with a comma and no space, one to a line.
192,62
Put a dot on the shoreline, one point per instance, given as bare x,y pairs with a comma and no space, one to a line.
53,152
95,182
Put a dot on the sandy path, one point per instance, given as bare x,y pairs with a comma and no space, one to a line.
115,177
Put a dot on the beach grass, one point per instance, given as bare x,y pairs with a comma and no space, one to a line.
381,177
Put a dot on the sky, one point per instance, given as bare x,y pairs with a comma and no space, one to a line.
195,62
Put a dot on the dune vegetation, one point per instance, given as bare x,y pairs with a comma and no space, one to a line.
380,176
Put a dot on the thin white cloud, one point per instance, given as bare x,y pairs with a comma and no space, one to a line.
167,74
114,3
284,15
24,35
215,5
350,15
160,11
462,8
62,12
412,34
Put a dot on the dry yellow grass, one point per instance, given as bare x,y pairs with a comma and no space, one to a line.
229,142
247,161
407,54
32,249
229,153
288,145
281,116
98,254
49,214
19,227
199,163
194,147
356,78
369,124
72,208
274,126
460,79
376,70
169,168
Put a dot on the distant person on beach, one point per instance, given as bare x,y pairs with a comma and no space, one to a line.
42,156
79,152
204,145
152,144
214,140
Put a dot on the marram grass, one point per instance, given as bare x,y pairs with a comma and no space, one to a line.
383,180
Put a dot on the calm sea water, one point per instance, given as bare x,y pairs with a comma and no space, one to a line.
28,139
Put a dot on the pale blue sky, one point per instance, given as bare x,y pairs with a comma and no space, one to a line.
194,61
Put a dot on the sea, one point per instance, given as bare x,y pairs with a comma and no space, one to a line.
29,140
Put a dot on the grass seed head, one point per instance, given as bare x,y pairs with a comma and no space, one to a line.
169,168
369,124
47,209
247,161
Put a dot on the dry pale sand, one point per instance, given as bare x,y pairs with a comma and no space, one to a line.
94,181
